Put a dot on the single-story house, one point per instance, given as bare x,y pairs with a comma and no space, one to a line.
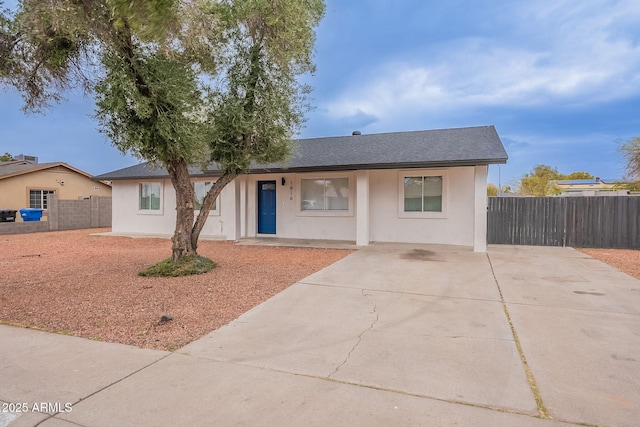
25,183
417,187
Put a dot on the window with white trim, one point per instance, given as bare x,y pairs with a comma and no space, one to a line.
200,189
423,194
324,194
38,198
150,197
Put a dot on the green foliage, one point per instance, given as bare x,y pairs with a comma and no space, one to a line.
578,175
492,190
7,42
161,124
177,83
194,264
149,20
6,157
541,180
256,114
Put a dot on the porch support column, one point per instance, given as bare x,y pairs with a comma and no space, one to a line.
480,210
242,203
233,233
362,208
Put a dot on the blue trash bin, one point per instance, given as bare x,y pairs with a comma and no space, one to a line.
31,214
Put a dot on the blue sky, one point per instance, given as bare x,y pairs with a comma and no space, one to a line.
560,81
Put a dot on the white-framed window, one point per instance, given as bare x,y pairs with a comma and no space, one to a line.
423,194
38,198
325,195
150,197
200,189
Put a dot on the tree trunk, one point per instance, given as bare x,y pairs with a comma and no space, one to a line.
182,241
207,203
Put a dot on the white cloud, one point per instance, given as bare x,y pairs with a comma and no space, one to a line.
557,53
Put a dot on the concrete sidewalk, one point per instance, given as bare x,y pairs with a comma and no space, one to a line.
391,335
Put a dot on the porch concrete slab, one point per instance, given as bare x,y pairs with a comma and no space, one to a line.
586,363
439,270
42,367
189,391
563,277
298,243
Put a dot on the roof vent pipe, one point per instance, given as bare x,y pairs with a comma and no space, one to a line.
356,132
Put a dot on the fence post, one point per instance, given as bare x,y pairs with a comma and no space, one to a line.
95,211
53,212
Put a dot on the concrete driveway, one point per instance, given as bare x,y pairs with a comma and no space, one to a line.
394,334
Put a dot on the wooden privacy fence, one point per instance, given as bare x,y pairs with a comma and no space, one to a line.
583,222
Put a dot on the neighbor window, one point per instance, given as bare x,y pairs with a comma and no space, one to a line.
38,198
150,193
201,188
324,194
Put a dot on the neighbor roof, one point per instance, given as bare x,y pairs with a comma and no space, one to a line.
21,167
420,149
594,181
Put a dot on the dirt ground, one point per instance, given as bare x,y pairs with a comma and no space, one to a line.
74,283
626,260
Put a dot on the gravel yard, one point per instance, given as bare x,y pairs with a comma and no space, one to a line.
626,260
73,283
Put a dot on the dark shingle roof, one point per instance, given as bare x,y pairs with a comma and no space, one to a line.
424,149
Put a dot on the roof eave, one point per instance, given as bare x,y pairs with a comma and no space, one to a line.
322,168
42,167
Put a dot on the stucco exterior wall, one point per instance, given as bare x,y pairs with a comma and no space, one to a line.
127,218
237,209
14,191
455,228
290,222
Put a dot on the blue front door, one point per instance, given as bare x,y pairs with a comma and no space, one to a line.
267,207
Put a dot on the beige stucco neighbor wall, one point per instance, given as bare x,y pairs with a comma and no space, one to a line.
384,221
92,212
68,185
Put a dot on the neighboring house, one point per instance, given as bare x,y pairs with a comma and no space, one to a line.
590,187
26,184
417,187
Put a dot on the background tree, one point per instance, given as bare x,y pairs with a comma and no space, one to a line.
492,190
538,181
178,83
630,151
578,175
6,157
541,180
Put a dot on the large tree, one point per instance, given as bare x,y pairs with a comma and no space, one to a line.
178,83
